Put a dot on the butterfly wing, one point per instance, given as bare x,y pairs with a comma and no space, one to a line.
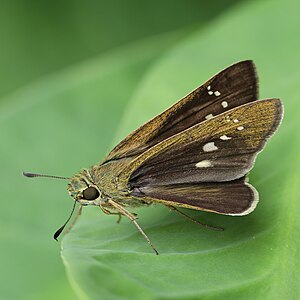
220,149
235,197
232,87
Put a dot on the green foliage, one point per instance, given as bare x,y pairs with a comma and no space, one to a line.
38,37
256,257
78,106
69,120
75,112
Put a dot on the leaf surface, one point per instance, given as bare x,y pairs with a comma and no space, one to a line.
256,257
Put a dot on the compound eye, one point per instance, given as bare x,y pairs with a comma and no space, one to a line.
90,193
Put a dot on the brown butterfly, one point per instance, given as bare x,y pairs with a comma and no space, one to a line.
195,155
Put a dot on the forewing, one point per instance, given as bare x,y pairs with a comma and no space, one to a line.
232,87
219,149
232,198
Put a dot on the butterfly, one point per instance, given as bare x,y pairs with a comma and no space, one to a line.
195,155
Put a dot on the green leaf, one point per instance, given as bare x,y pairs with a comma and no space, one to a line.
256,257
38,38
56,126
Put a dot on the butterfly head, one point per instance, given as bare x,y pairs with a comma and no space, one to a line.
83,190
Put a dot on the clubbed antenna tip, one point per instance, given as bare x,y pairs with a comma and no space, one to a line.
32,175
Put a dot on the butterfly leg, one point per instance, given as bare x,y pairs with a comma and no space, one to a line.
120,216
108,212
75,219
131,217
193,220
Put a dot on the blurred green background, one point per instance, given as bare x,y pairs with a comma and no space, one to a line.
76,77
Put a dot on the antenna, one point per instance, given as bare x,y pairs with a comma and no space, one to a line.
32,175
59,231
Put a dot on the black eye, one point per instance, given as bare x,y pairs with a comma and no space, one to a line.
90,193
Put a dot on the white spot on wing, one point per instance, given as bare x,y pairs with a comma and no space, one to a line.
225,137
210,92
240,128
209,116
208,147
235,121
224,104
203,164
